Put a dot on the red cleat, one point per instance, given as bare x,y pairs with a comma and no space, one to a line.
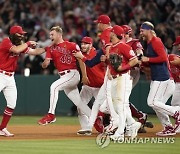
47,119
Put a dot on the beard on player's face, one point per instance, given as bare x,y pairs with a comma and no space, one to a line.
85,48
143,35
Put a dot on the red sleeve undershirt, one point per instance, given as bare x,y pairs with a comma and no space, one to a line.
158,47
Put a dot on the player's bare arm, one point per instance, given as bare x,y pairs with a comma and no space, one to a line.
78,55
36,51
82,65
22,47
131,63
46,63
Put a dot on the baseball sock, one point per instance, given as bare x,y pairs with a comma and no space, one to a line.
6,117
135,113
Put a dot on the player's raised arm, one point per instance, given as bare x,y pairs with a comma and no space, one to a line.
36,51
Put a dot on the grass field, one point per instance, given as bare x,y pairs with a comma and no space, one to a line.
74,144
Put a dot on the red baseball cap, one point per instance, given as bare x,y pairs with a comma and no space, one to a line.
88,40
177,41
127,29
104,19
118,30
17,29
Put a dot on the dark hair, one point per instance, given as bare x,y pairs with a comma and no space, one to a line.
119,37
17,39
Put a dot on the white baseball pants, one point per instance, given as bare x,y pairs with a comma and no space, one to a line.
68,83
86,94
8,87
160,91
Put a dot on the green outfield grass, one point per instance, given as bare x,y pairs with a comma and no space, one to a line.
84,147
73,146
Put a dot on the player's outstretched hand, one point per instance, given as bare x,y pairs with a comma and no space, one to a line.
31,44
78,55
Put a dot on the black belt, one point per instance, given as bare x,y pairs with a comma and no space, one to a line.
6,73
63,73
115,76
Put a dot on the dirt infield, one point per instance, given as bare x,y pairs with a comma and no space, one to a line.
56,132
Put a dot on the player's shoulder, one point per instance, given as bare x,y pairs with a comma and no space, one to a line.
123,45
69,43
106,31
156,40
134,40
6,40
72,45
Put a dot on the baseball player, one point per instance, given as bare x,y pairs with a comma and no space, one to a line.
135,74
96,78
175,71
10,50
104,26
61,52
121,82
161,87
176,60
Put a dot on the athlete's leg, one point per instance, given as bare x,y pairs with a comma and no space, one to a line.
175,98
156,96
86,95
10,94
163,117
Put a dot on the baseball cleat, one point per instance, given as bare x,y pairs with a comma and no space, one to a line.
148,124
6,133
84,132
127,132
177,122
47,119
168,131
144,122
142,130
134,129
112,127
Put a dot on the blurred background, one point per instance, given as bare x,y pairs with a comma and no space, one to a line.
76,19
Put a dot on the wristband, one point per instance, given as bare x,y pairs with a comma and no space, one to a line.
28,43
26,50
84,59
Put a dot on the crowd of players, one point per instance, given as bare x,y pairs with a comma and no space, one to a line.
114,86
